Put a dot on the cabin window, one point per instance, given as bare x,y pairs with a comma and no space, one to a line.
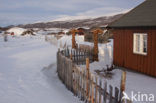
140,43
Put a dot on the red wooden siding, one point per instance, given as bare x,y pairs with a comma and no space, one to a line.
123,51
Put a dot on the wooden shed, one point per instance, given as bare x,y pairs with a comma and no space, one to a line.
135,39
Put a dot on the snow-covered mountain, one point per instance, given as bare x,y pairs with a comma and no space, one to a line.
90,22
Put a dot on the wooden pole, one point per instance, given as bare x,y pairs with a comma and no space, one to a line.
87,65
122,86
123,81
95,33
73,31
73,40
96,47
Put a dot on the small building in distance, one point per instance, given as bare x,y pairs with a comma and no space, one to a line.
81,31
135,39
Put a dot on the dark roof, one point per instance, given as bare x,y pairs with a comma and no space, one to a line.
143,15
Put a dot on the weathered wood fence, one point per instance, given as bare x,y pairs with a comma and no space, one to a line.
78,55
87,86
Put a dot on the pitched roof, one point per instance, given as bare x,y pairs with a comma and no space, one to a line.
143,15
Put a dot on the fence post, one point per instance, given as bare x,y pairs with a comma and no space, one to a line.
122,85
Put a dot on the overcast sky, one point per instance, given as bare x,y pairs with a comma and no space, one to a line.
13,12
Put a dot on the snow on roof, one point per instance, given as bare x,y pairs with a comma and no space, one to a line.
17,31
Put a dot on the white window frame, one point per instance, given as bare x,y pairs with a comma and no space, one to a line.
141,43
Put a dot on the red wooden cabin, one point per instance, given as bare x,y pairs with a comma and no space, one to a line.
135,39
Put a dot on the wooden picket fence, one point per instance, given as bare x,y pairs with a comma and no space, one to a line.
78,55
87,86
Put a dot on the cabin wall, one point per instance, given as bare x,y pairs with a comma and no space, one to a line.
123,51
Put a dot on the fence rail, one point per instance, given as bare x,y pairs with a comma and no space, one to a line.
87,86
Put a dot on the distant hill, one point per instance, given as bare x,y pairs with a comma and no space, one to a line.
100,21
6,28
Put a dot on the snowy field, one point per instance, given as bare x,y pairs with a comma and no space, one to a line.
28,72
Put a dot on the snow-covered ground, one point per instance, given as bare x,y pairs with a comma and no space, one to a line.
28,72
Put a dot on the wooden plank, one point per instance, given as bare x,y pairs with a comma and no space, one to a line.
74,80
100,84
65,72
96,90
89,88
153,42
74,56
110,93
78,83
87,74
116,95
84,84
93,87
154,52
70,76
77,57
68,52
149,53
81,84
105,92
